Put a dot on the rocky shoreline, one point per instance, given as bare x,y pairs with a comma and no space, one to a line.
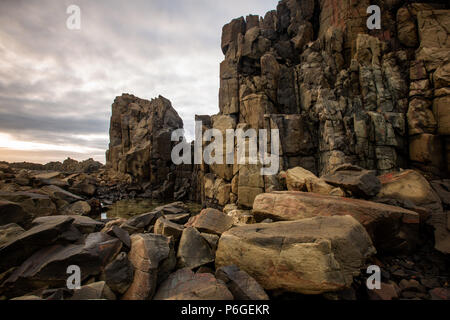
363,181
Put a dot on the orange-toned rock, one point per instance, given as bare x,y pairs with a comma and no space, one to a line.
211,221
391,228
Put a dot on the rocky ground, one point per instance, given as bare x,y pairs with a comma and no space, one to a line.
302,243
363,119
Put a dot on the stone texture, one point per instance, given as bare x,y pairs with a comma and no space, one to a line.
48,266
241,284
153,258
119,274
194,250
94,291
361,183
211,221
185,285
11,212
333,250
391,228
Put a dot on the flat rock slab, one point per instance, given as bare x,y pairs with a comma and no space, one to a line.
24,245
84,224
211,221
56,192
94,291
48,266
185,285
309,256
391,228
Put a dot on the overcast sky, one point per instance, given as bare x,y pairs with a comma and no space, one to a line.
57,85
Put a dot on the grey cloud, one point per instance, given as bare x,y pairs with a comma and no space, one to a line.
56,84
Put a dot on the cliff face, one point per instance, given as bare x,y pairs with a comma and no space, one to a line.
140,138
337,91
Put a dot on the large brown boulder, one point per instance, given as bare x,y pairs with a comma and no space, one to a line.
309,256
185,285
391,228
153,258
94,291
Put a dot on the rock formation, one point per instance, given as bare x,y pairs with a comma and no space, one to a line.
140,141
337,91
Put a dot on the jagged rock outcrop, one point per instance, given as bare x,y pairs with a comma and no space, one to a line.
338,92
140,142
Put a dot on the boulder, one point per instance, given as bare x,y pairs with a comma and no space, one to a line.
57,193
442,189
211,221
241,284
300,179
141,222
409,185
153,258
24,245
119,233
37,205
9,232
79,208
360,182
94,291
11,212
85,225
194,250
168,228
309,256
48,266
391,228
118,275
185,285
180,218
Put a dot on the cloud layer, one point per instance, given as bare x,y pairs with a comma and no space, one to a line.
57,85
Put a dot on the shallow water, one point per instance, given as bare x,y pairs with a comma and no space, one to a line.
133,207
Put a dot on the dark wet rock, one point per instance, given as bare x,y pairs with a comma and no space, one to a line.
93,291
153,258
11,212
392,229
23,246
194,250
9,232
118,275
120,234
48,266
241,284
358,181
185,285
